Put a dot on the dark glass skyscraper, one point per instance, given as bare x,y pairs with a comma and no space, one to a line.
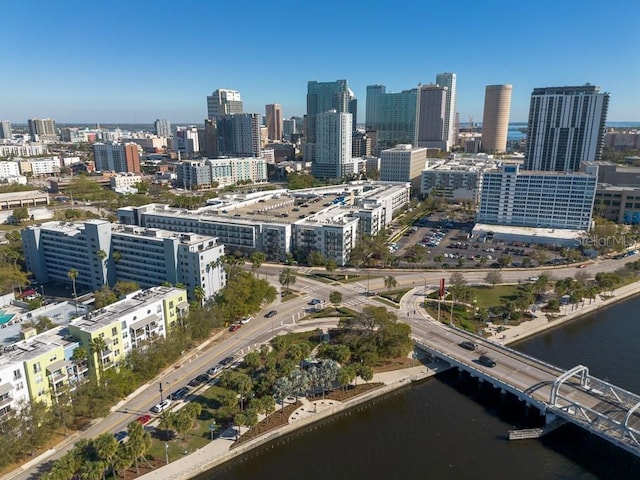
566,127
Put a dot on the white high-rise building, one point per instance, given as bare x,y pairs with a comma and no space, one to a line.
566,127
162,127
186,141
333,145
449,80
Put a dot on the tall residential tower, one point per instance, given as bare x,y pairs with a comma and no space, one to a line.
566,127
274,121
449,80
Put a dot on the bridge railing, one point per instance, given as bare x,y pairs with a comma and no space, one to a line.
507,349
608,390
501,383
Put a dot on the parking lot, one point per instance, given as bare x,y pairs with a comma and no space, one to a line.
449,244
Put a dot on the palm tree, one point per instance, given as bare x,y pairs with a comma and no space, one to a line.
390,282
73,274
287,277
199,294
79,357
117,256
97,346
106,446
257,259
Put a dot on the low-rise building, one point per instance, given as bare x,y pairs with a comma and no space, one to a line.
125,183
618,204
457,179
31,198
194,174
23,150
403,163
270,221
110,333
40,166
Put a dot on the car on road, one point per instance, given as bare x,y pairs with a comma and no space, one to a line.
468,345
584,265
315,301
234,327
487,361
144,419
162,406
120,436
213,370
226,361
271,313
246,320
180,393
198,380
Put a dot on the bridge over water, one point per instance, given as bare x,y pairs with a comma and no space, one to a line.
561,395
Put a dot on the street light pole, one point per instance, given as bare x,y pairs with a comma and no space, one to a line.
161,399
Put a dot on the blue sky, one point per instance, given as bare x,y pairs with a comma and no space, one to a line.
135,60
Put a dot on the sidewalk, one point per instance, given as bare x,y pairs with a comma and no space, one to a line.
567,312
219,450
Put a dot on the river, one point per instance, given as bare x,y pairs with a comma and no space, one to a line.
451,427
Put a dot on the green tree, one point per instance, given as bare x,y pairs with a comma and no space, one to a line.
73,274
335,297
20,214
257,259
493,277
287,278
390,282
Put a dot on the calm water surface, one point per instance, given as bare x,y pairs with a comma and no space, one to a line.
451,427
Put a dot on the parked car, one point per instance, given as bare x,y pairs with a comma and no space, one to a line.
315,301
144,419
120,436
180,393
487,361
226,361
162,406
234,327
246,320
213,370
198,380
468,345
271,313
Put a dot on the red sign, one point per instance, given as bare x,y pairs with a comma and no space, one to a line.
441,287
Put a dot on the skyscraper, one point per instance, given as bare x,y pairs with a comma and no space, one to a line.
449,80
239,134
43,129
223,102
162,127
186,141
495,118
566,127
274,121
432,110
322,97
371,115
333,145
5,130
394,117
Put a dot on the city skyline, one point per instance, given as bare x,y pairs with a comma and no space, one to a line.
104,70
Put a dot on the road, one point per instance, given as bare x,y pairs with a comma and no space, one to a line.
290,311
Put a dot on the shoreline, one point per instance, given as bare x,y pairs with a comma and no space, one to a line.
212,455
516,333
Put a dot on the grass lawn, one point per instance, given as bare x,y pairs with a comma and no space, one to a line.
394,295
332,312
492,296
386,302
